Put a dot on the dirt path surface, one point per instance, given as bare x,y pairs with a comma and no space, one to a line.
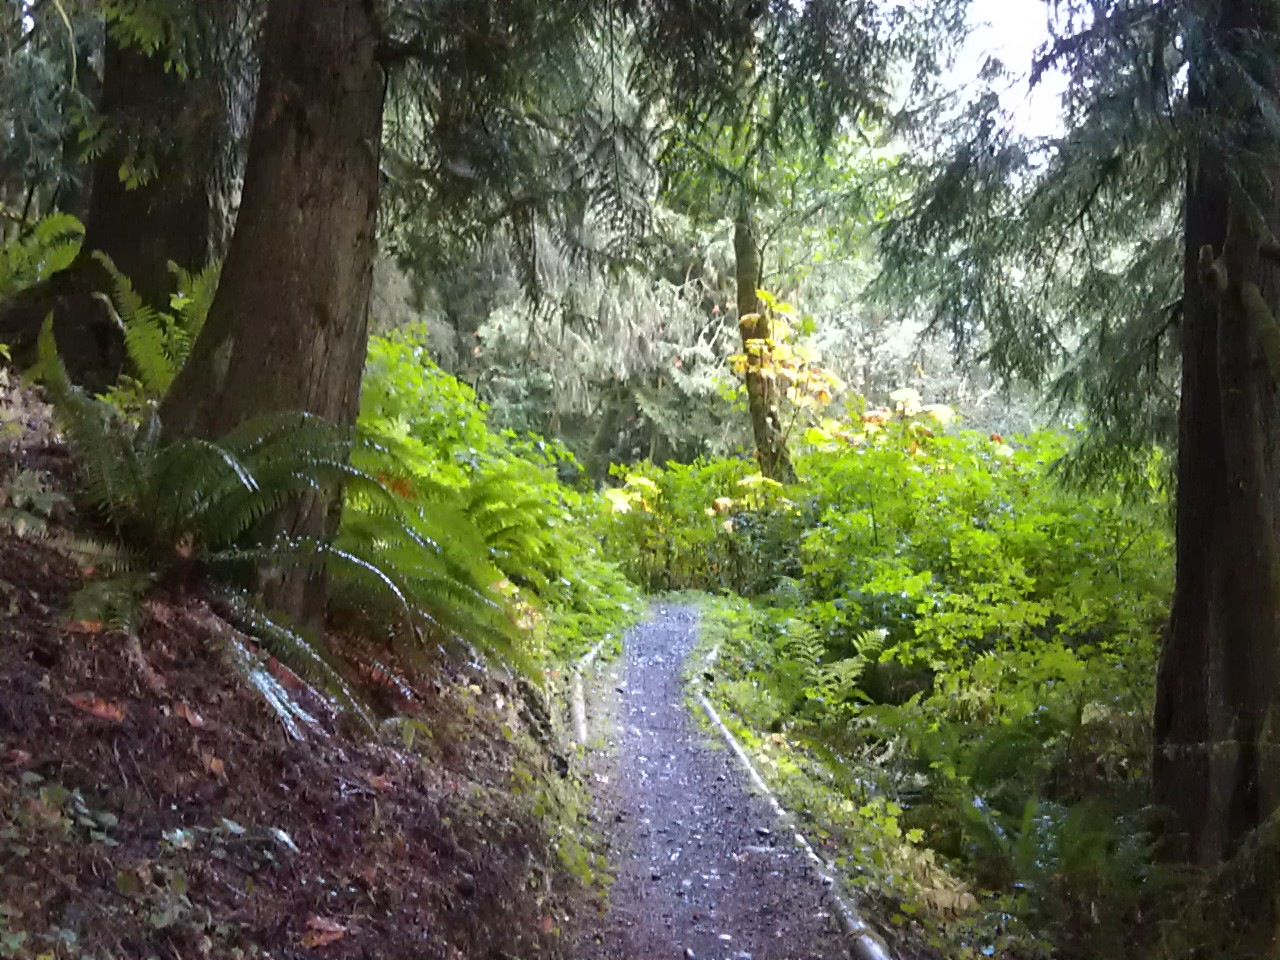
701,870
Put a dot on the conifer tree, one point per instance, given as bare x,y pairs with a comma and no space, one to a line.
1129,263
782,79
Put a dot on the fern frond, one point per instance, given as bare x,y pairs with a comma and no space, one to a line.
316,556
252,665
294,650
50,247
146,331
191,303
158,343
97,434
112,559
115,602
870,643
199,502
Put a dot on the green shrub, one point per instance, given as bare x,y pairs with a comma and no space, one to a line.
537,531
184,511
939,628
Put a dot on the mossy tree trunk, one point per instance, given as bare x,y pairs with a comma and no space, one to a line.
288,329
182,132
179,138
763,396
1216,766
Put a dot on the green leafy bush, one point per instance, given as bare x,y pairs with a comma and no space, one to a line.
938,624
182,511
711,525
487,515
536,530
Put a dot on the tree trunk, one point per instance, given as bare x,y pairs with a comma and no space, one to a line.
1187,774
757,334
599,456
188,131
169,215
1216,768
288,328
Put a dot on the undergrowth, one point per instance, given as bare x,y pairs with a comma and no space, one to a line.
537,529
453,531
455,538
944,659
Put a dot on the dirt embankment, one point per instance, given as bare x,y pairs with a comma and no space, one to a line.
152,804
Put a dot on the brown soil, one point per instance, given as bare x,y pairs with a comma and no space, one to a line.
153,805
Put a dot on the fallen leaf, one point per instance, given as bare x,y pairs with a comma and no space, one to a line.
189,715
213,765
86,626
102,709
322,932
127,883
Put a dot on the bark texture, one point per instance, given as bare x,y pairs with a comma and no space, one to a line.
288,329
190,132
289,326
754,324
1216,766
167,217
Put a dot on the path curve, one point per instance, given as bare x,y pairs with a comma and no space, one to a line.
702,870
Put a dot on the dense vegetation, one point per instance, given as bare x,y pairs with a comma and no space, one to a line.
947,651
410,332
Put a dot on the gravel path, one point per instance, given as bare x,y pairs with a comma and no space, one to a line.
701,872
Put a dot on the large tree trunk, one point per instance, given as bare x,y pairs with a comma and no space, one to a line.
757,335
1187,772
1216,768
174,127
288,328
188,131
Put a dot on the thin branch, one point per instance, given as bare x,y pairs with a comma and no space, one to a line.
1120,22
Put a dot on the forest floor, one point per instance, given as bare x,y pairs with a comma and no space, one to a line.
703,871
154,802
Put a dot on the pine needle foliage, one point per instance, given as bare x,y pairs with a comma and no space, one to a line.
1059,258
191,510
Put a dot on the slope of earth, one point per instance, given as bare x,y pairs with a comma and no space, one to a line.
701,872
156,803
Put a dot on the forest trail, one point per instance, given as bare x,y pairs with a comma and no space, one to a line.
703,870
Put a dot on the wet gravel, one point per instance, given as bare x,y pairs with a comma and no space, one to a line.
701,872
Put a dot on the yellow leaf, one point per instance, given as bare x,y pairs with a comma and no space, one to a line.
939,413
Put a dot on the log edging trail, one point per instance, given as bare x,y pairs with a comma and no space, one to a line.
703,867
864,943
577,699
